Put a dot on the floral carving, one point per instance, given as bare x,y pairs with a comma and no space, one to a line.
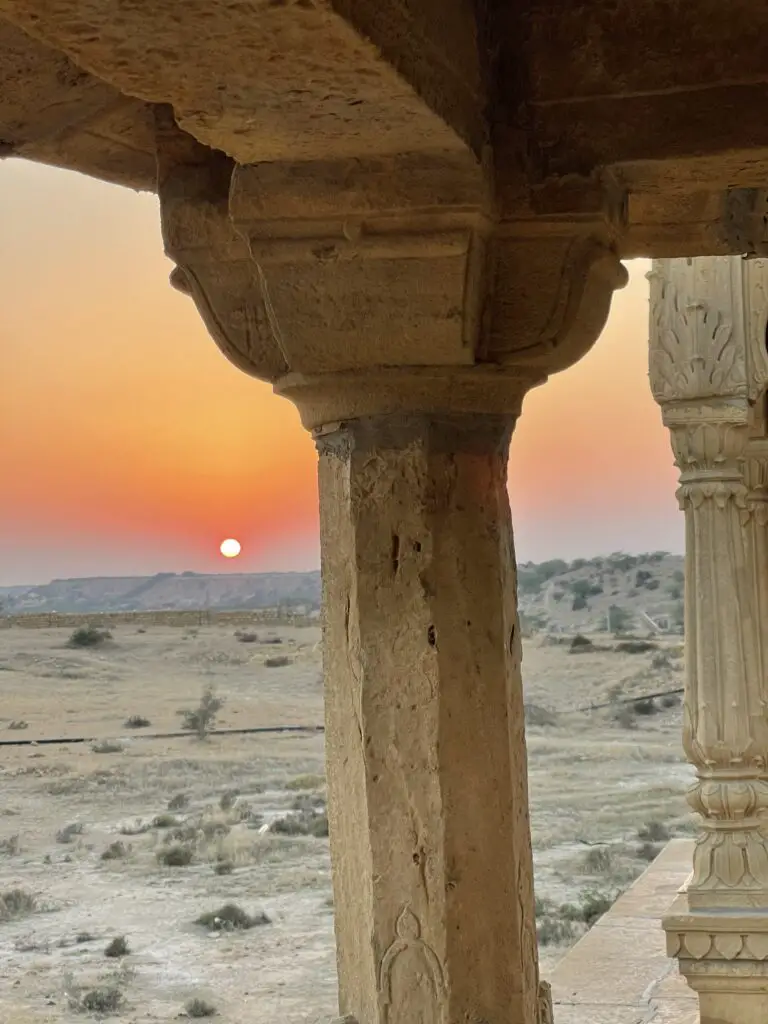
696,357
418,991
545,1012
694,353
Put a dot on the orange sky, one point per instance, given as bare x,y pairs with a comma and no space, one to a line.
130,445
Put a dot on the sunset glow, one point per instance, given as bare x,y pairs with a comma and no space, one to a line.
230,547
130,444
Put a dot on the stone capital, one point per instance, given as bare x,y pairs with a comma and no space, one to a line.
380,284
708,337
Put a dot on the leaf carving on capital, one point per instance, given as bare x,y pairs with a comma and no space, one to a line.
693,354
731,853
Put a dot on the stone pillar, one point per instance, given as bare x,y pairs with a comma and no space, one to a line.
708,368
424,722
383,298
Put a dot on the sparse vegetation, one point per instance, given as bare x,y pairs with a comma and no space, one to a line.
536,715
89,636
654,832
68,833
197,820
103,1001
581,645
305,782
118,947
165,820
202,719
230,918
635,646
625,716
277,661
177,855
246,638
115,851
199,1007
16,903
137,722
308,817
11,846
108,747
645,706
227,799
598,860
18,723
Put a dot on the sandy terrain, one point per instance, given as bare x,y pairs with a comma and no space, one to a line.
593,781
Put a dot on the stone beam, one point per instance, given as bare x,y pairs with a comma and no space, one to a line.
407,323
709,371
265,81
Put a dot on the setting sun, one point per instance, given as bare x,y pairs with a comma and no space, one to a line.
230,548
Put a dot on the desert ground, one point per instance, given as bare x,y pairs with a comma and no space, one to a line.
133,838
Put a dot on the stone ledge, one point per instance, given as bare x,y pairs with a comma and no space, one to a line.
619,973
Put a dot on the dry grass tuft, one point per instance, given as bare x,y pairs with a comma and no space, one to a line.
230,918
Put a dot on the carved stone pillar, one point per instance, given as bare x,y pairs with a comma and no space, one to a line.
708,368
383,298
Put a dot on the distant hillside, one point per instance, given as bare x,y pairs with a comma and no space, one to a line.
617,592
554,595
166,591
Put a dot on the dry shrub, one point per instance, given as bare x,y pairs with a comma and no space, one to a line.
625,716
117,947
308,818
108,747
16,903
278,661
598,860
654,832
178,802
230,917
199,1007
68,833
246,638
137,722
102,1001
635,647
648,851
581,645
537,715
115,851
165,820
11,846
89,636
307,782
178,855
227,799
202,719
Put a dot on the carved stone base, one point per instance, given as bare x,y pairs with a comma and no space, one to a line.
723,955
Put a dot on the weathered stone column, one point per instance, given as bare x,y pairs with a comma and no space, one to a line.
383,298
426,753
708,371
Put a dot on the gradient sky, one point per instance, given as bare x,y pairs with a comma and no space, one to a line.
129,445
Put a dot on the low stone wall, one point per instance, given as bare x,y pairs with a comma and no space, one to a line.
186,618
619,972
